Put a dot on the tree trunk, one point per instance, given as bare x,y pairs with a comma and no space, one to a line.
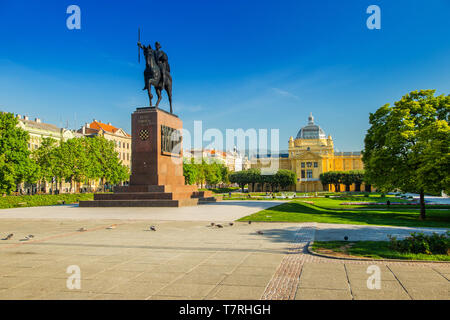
422,205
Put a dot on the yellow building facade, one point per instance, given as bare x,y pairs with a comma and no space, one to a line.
311,153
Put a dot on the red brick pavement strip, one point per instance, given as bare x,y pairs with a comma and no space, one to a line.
284,283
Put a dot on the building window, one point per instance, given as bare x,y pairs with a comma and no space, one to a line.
128,146
303,164
128,156
303,174
309,174
119,144
309,164
316,165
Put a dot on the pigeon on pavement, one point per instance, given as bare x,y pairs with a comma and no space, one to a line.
219,225
82,229
249,222
9,236
153,228
231,223
259,232
212,224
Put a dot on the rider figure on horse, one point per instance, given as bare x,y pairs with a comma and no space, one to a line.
161,60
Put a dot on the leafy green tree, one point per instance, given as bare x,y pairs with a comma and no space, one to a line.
44,157
285,178
7,176
335,178
407,145
225,174
105,163
240,178
190,172
254,177
347,179
75,160
358,178
271,180
15,163
325,179
201,173
213,174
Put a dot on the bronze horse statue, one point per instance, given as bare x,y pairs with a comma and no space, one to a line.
156,74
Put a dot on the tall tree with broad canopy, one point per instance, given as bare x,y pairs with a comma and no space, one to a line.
16,165
408,145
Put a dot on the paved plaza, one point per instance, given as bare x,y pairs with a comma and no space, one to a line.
187,258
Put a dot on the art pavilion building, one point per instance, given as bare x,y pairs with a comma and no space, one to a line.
310,154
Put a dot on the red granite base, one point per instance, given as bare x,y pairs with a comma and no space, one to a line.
151,196
157,175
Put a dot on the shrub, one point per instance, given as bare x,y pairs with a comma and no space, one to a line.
327,196
366,195
421,243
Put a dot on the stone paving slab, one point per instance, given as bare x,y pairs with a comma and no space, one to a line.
192,260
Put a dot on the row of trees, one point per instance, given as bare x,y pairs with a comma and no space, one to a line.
204,173
80,160
346,178
75,160
282,179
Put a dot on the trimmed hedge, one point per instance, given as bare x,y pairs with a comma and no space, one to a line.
42,200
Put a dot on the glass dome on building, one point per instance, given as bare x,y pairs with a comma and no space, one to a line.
311,131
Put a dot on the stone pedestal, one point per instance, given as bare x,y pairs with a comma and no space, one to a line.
157,166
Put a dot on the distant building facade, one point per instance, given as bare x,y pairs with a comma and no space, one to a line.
310,154
39,130
233,160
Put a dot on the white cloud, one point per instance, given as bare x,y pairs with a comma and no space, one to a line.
285,93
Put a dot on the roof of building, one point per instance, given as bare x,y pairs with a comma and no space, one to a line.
344,153
96,126
40,125
279,155
105,127
311,130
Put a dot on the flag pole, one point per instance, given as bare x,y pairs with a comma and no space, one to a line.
139,49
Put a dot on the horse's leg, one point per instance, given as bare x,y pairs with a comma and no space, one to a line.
150,96
158,92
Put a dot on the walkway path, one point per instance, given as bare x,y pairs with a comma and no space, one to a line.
193,260
225,210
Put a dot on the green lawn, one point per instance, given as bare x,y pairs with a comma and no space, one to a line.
328,210
42,200
371,249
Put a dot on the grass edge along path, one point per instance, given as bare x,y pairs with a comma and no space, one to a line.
370,249
298,211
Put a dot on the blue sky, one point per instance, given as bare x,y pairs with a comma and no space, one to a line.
235,64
